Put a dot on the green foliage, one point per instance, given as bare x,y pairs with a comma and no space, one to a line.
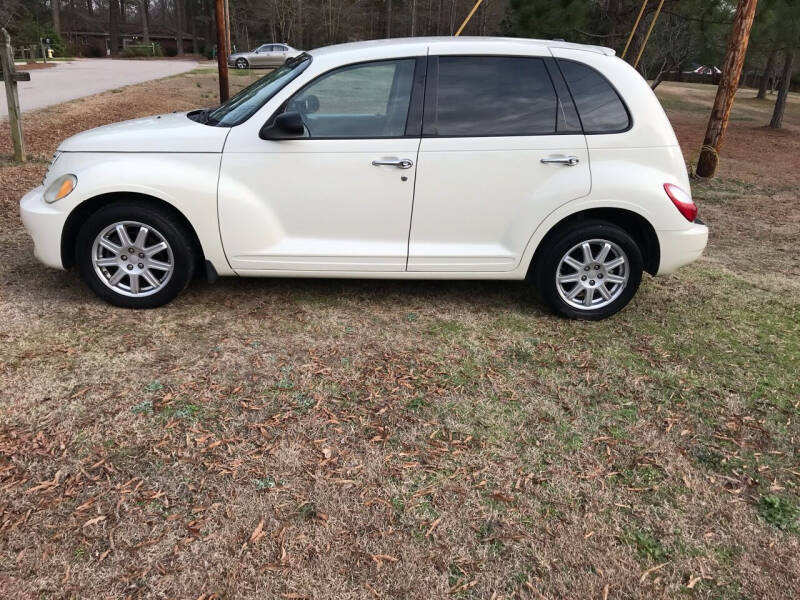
142,51
647,546
29,32
548,18
779,512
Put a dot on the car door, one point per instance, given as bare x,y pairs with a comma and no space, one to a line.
278,55
339,198
260,57
502,147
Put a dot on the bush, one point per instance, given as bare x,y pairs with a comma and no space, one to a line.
29,33
142,51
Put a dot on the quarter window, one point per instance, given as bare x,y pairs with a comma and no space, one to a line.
492,96
368,100
599,106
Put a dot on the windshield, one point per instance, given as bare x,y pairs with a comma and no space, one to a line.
242,106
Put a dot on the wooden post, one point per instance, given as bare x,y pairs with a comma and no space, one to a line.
647,35
10,76
222,51
728,84
469,16
634,28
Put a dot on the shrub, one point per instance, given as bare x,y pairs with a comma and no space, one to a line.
142,51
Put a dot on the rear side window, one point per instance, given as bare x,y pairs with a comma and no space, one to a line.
491,96
599,106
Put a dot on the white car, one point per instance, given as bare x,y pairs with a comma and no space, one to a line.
421,158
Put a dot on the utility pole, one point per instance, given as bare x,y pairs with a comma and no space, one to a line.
228,47
222,51
9,75
726,92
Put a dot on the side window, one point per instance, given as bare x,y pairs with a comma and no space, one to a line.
368,100
492,96
264,48
599,106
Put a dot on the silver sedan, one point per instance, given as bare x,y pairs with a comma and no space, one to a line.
266,55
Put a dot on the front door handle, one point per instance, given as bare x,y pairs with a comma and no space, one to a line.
400,163
570,161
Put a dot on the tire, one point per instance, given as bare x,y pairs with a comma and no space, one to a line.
241,63
160,267
565,284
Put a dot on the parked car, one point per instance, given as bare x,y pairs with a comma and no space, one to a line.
266,55
422,158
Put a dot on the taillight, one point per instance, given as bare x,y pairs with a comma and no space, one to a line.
682,201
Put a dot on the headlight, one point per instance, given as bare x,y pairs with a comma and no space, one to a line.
60,188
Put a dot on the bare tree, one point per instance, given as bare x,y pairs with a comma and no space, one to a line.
145,28
55,9
179,26
669,49
8,10
113,24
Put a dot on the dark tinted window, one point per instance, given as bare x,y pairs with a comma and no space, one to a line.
599,106
488,95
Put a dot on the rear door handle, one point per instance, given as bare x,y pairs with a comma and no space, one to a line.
570,161
400,163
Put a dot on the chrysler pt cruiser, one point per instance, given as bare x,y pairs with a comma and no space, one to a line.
421,158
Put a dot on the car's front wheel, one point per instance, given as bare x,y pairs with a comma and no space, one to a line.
588,271
241,63
134,255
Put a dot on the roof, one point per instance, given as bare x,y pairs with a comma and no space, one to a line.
455,42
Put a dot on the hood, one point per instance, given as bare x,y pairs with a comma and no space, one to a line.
173,132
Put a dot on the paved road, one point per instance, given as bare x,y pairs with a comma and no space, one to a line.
84,77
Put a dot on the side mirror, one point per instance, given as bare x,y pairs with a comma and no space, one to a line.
285,126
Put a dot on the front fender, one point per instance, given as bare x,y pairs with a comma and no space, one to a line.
185,181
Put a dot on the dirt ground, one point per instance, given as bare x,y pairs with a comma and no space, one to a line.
367,439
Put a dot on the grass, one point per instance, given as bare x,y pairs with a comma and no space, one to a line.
349,439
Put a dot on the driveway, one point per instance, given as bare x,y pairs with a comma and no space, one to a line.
84,77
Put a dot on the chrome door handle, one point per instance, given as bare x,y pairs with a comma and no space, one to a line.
400,163
570,161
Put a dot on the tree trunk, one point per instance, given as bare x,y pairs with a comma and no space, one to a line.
90,7
145,28
388,18
783,92
113,25
726,92
193,26
179,27
299,39
55,7
767,75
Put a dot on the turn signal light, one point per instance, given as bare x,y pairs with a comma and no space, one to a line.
682,201
60,188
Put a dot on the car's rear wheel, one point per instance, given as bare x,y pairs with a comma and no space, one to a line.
589,271
134,255
241,63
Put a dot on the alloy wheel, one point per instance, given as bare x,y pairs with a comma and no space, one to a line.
592,274
132,258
